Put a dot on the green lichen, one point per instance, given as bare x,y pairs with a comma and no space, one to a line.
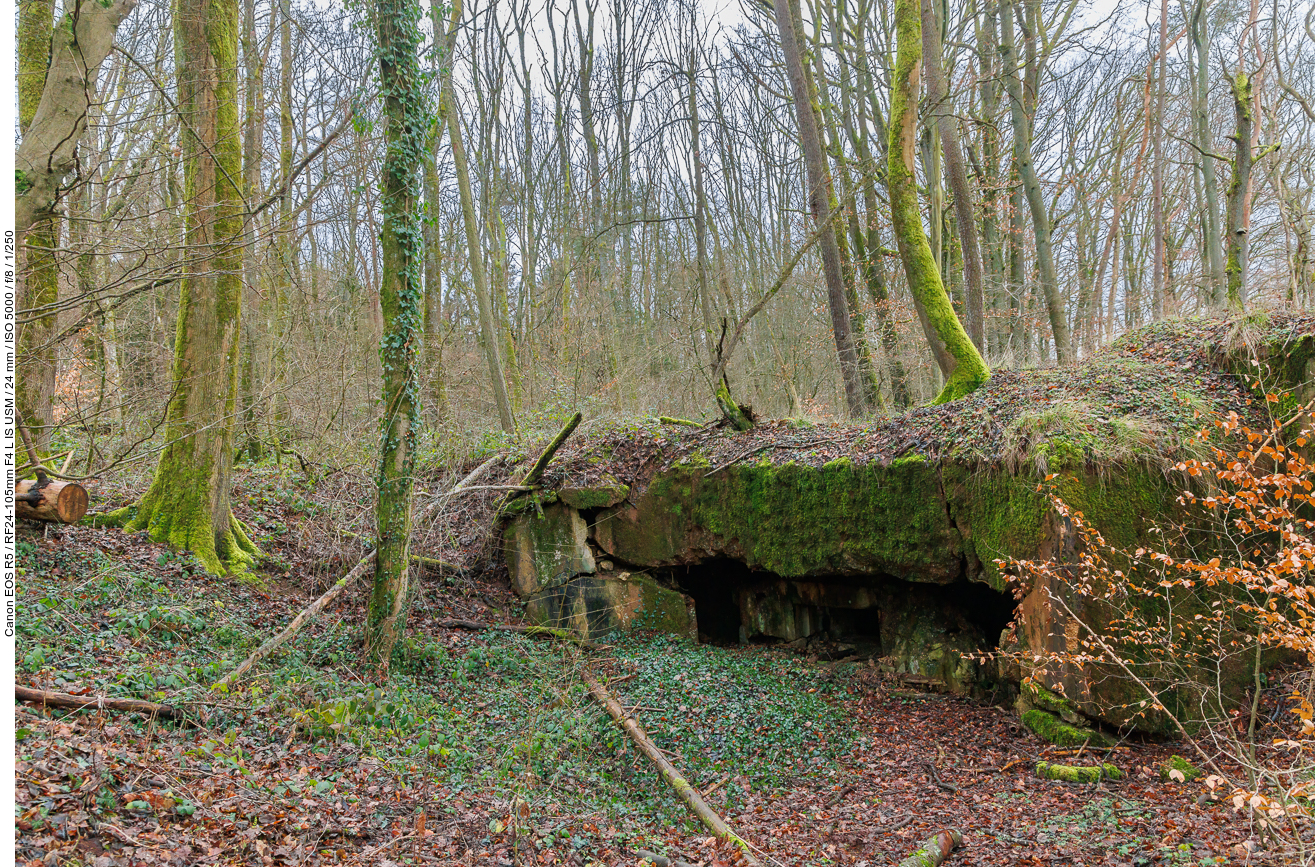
1054,730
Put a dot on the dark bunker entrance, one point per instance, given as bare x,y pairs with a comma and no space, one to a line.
877,615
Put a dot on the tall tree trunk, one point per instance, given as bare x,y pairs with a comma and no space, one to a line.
700,220
959,360
947,126
487,325
1018,287
187,504
828,133
1157,174
1235,244
35,387
253,134
402,299
1214,248
819,195
1022,126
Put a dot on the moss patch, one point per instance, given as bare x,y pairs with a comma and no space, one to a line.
1178,763
794,520
1052,729
1077,774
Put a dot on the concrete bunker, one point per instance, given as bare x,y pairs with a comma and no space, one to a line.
922,630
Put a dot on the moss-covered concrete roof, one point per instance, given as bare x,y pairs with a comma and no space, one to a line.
1143,398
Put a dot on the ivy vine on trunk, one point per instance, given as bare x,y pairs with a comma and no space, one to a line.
401,297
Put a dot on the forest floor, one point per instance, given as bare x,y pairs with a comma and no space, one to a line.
485,748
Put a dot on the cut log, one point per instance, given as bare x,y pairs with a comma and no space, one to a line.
933,852
687,793
79,702
53,500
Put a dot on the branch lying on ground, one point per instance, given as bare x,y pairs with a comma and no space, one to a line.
687,793
81,702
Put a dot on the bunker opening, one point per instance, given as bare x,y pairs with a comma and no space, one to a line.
923,628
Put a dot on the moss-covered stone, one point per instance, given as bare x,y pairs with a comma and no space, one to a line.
1077,774
1181,765
593,606
1032,695
1052,729
548,550
598,496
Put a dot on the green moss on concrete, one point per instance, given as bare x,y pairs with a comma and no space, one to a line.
1178,763
1054,730
1037,696
1076,774
598,496
794,520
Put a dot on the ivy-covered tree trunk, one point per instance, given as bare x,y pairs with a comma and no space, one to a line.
188,505
401,297
959,360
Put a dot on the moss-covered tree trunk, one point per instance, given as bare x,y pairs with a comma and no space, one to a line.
36,348
401,297
958,358
187,505
947,128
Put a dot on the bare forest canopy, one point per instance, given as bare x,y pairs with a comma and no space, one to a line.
637,190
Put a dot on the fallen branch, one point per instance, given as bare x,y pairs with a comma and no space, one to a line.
940,784
311,611
937,848
531,478
307,615
683,422
420,559
81,702
687,793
